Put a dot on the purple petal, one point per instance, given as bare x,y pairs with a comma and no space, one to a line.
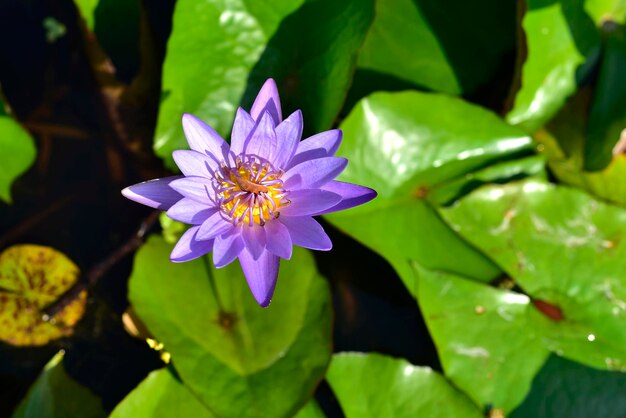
288,135
278,239
202,138
193,163
254,239
188,248
309,201
261,275
242,127
190,212
307,232
314,173
262,142
227,247
351,195
199,189
214,225
156,193
267,100
324,144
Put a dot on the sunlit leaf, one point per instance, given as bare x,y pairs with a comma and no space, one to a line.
239,359
403,145
486,340
373,385
161,395
56,395
448,192
560,36
31,278
17,152
563,248
212,48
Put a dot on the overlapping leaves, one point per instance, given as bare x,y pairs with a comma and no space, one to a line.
224,347
405,145
519,224
218,48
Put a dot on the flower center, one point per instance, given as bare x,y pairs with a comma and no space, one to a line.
251,192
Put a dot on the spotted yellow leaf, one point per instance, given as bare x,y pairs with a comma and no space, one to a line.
31,278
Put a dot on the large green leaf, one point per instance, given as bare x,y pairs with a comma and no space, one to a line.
564,248
403,145
373,385
17,152
312,56
161,395
56,395
436,46
607,119
240,360
567,389
213,46
486,340
559,37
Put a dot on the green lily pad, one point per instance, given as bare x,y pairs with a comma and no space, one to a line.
31,278
403,145
312,56
237,358
563,248
377,386
212,48
487,342
161,395
56,395
436,46
17,152
560,36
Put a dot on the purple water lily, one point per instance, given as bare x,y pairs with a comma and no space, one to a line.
256,198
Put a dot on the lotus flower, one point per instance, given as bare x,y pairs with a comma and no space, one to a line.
256,198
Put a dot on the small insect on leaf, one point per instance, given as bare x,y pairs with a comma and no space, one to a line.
31,278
